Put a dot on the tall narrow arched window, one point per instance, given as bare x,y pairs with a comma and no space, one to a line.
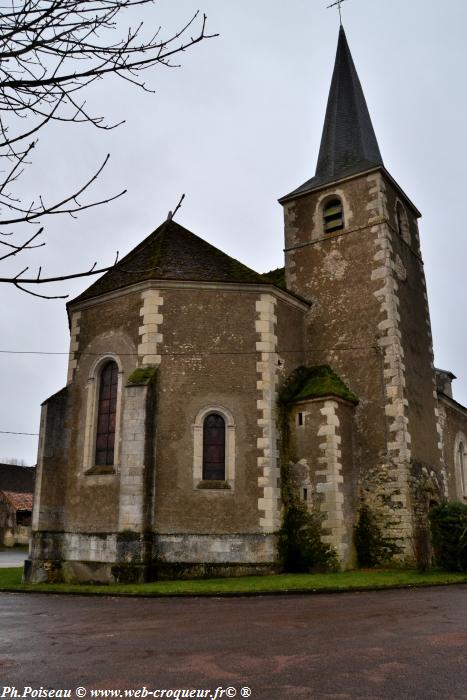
462,468
460,465
213,448
106,414
333,217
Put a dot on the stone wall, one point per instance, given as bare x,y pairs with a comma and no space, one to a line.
453,420
219,348
369,320
220,354
334,272
112,557
320,459
52,464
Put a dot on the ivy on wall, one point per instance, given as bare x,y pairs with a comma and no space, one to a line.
373,549
449,535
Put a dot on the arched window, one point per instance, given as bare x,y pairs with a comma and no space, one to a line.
213,448
106,414
333,217
462,467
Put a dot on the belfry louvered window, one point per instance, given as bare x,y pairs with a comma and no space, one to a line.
333,218
106,415
213,448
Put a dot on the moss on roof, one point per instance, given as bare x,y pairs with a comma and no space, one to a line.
172,252
142,375
276,276
314,382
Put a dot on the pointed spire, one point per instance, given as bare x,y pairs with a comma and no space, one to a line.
348,143
348,140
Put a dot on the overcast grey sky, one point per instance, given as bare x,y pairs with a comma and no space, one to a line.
235,128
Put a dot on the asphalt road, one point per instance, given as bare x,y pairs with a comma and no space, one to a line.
394,644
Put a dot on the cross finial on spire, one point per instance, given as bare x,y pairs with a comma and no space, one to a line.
338,5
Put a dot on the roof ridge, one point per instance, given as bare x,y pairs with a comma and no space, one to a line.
173,252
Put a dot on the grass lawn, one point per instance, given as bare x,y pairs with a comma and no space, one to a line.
10,580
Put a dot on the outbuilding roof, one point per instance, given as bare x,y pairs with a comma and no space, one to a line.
19,501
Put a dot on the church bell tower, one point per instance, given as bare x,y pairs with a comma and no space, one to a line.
352,249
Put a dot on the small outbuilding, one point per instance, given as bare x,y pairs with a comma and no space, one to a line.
16,498
15,518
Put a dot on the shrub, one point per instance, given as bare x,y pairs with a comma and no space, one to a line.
300,542
449,535
372,548
422,546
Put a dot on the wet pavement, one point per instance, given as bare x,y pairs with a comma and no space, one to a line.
394,644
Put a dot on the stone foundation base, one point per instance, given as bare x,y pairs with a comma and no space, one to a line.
251,548
169,572
135,558
57,571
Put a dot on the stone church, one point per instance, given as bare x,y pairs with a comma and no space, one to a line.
189,373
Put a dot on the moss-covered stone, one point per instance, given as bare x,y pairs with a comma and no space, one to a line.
142,375
176,571
314,382
276,276
129,536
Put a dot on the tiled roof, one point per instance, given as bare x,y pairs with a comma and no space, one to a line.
172,252
348,143
19,501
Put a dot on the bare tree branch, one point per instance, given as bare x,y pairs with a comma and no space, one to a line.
49,51
23,246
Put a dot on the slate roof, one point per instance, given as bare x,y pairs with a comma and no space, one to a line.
445,372
172,252
19,501
276,277
348,143
16,478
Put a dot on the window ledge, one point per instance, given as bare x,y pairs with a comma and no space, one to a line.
100,471
212,484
